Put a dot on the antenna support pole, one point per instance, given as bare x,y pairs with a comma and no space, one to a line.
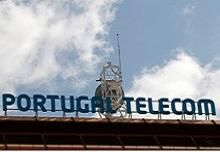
119,56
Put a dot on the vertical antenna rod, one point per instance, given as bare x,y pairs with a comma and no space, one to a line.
119,55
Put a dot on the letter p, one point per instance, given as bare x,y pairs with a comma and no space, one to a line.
8,99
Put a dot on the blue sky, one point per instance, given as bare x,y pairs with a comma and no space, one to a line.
150,29
169,48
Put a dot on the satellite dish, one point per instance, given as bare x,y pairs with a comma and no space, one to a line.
114,91
111,86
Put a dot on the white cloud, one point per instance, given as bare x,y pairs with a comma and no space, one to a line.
189,8
44,40
182,76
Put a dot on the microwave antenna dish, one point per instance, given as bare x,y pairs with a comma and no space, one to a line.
111,86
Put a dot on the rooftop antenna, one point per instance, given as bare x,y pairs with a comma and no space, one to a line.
119,56
111,86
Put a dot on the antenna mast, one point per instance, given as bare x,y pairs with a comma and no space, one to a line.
119,57
111,87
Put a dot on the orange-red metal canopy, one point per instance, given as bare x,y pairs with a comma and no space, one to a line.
89,133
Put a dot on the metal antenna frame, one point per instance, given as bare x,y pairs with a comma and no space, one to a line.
119,56
111,79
